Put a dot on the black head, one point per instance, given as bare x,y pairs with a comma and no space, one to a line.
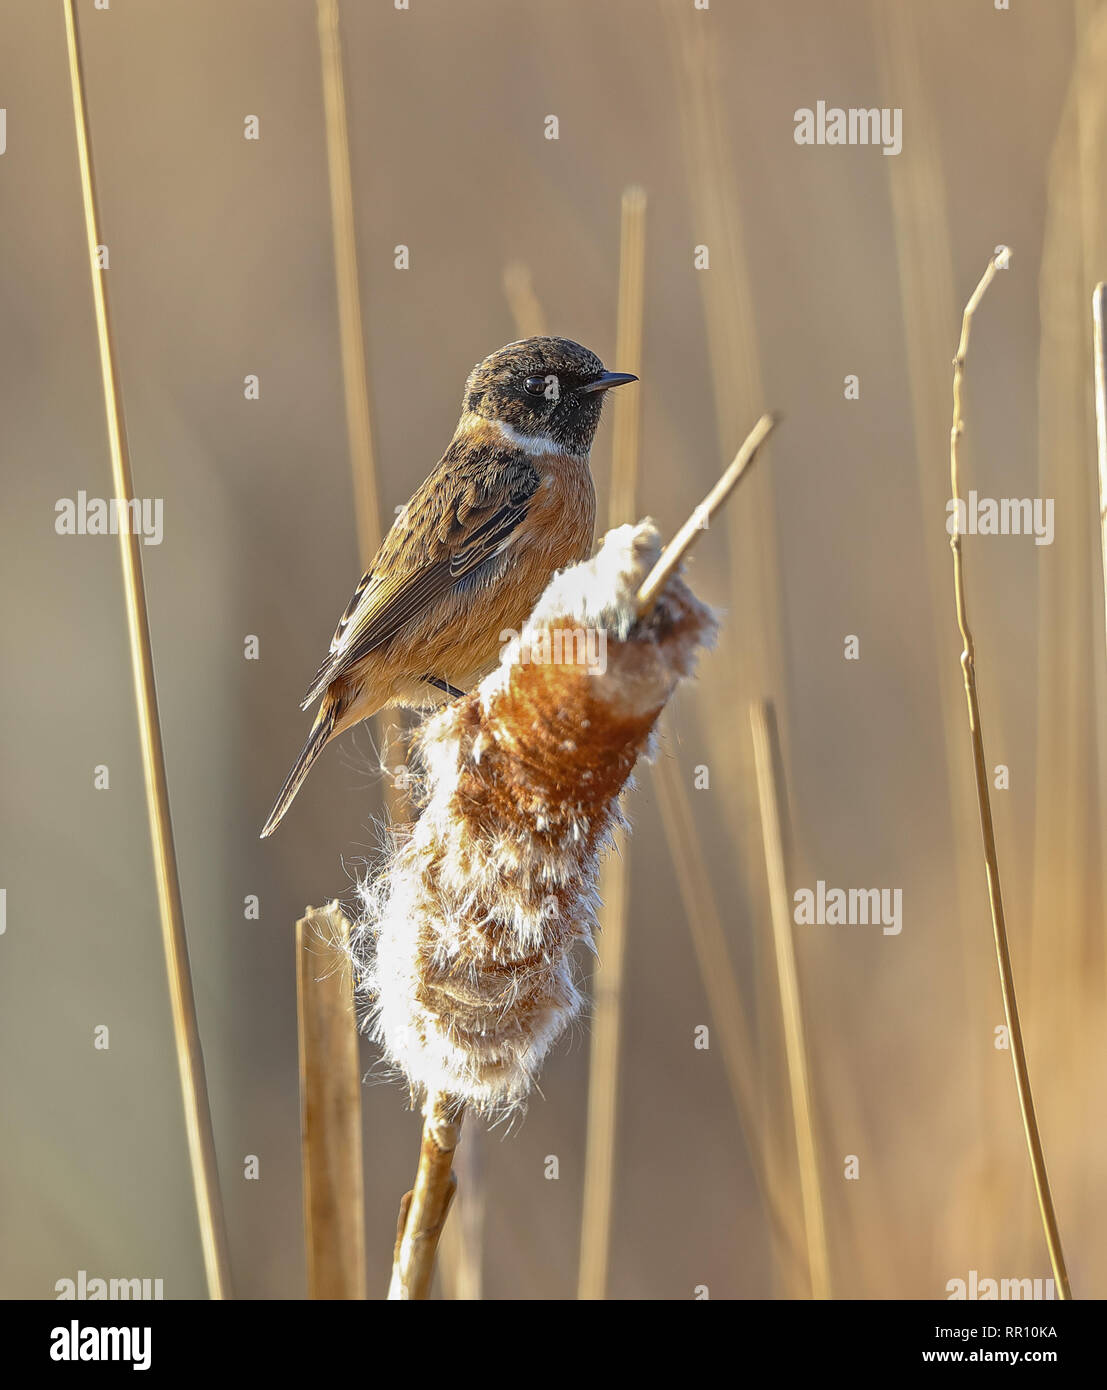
549,387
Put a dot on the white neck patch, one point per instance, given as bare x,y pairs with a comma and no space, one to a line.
535,445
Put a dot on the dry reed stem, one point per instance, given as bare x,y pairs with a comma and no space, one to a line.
995,895
1099,296
526,309
330,1107
607,981
351,330
720,985
355,381
766,761
700,519
623,490
424,1209
186,1035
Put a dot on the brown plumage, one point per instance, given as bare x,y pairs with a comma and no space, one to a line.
510,502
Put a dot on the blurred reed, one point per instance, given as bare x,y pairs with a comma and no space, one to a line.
351,331
523,301
724,996
766,761
186,1034
607,978
1099,296
749,661
924,257
1067,943
330,1107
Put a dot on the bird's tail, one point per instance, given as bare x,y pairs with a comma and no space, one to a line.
321,731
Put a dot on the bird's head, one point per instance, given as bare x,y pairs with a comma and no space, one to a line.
543,389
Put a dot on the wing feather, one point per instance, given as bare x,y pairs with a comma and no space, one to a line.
462,519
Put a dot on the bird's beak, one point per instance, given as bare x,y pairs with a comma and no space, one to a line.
607,381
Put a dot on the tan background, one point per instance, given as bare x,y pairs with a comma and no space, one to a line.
825,261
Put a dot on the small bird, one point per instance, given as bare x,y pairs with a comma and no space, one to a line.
509,503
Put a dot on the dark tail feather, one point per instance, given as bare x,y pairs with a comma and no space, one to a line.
320,733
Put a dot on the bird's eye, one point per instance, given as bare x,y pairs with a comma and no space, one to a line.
535,385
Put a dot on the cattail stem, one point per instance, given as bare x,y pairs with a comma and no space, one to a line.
423,1210
991,859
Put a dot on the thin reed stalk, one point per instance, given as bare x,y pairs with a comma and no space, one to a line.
603,1076
330,1107
991,860
700,519
355,380
186,1034
424,1209
1099,297
628,356
766,761
351,331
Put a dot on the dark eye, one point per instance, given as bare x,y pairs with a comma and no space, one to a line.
535,386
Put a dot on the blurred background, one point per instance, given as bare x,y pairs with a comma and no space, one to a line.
824,262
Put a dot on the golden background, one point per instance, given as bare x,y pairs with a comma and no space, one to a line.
825,261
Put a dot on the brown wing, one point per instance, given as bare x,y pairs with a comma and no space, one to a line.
461,519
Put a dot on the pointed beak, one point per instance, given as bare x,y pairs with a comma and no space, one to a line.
607,381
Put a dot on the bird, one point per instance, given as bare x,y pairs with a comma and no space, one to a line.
509,503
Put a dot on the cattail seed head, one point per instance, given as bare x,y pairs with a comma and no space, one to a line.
465,943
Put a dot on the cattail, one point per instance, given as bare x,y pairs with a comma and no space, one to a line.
466,941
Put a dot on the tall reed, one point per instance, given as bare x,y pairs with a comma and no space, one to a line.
607,979
186,1033
991,861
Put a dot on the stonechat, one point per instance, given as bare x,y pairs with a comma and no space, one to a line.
509,503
